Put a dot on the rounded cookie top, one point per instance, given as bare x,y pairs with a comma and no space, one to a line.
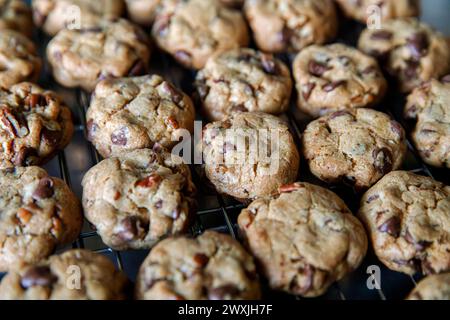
336,77
136,198
249,155
55,15
408,218
212,266
142,11
38,214
434,287
34,125
16,15
357,147
291,25
304,239
135,113
83,57
243,80
73,275
429,107
194,30
411,51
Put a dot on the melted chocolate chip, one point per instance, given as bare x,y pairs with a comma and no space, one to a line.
307,90
333,85
418,45
25,157
341,113
397,128
37,276
44,189
50,137
269,65
372,198
381,35
383,161
132,228
316,68
391,226
201,259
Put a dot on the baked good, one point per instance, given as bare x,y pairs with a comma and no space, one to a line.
434,287
304,239
408,219
16,15
429,107
249,155
243,80
136,198
233,3
410,51
73,275
20,60
194,30
55,15
212,266
291,25
34,125
135,113
142,11
336,77
357,147
38,214
83,57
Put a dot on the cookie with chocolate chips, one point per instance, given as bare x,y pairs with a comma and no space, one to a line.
16,15
243,80
53,279
434,287
38,214
135,113
410,51
83,57
336,77
142,12
34,125
136,198
304,239
212,266
408,219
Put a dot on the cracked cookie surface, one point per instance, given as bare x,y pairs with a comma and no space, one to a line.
212,266
137,198
38,214
434,287
336,77
16,15
304,239
135,113
243,80
408,219
54,279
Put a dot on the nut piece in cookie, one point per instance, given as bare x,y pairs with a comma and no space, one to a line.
304,239
16,15
434,287
212,266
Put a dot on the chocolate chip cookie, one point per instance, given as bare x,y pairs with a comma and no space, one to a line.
16,15
19,59
136,198
249,155
434,287
142,11
304,239
336,77
55,15
408,218
411,52
34,125
429,107
83,57
135,113
291,25
194,30
38,214
243,80
73,275
356,147
212,266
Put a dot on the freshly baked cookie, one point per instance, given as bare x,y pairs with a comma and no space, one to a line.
410,51
16,15
336,77
194,30
429,106
357,147
135,113
19,59
243,80
408,218
34,125
434,287
81,58
38,214
304,239
142,11
55,15
212,266
363,10
56,279
136,198
291,25
249,155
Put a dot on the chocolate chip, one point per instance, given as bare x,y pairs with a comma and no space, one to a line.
418,245
226,291
25,157
340,113
158,204
316,68
333,85
138,68
119,137
132,228
91,129
201,259
372,198
285,35
44,189
446,79
183,57
239,108
162,25
418,45
381,35
410,70
50,137
391,226
38,276
269,65
307,90
383,161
